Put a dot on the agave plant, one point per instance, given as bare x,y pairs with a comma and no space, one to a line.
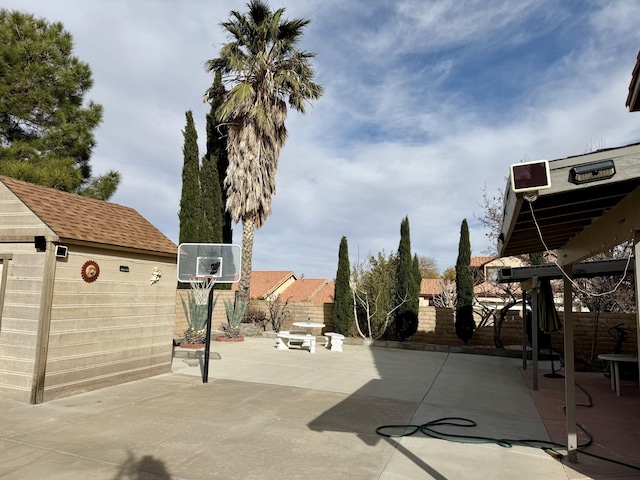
235,313
196,318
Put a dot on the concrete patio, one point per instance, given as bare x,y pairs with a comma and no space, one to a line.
269,414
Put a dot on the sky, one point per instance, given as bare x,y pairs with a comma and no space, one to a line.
426,105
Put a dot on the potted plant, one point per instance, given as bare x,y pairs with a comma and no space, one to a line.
195,334
235,313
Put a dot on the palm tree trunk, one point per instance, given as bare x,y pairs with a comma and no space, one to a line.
248,229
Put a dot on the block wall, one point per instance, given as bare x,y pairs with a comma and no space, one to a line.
436,326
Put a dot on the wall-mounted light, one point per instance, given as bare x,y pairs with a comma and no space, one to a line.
592,172
530,176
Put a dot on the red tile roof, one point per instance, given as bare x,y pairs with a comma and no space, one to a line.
265,282
430,287
305,290
73,217
326,294
489,289
480,261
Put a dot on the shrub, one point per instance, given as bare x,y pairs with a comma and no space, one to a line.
256,316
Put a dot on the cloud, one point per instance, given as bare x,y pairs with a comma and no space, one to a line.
426,103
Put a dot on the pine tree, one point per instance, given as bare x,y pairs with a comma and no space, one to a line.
407,287
214,198
46,123
343,319
465,324
191,215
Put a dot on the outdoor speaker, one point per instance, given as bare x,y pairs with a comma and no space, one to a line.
61,251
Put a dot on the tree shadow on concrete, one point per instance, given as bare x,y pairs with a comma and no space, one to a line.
144,468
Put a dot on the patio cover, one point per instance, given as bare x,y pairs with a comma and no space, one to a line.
579,220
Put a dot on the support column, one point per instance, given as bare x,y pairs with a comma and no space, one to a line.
535,321
636,275
44,325
524,328
569,367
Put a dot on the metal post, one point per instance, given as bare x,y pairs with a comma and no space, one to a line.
636,259
207,342
569,367
524,328
534,331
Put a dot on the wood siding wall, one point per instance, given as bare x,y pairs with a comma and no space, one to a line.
115,329
20,315
23,295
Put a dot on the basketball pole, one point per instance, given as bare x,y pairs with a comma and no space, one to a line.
205,366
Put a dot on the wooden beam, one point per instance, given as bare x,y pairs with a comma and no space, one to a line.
613,228
44,325
551,271
512,206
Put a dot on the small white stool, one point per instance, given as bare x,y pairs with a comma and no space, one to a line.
334,341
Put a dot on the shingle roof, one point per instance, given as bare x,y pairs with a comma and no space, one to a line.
73,217
265,282
304,290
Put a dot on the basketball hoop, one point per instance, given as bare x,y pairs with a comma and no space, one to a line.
201,285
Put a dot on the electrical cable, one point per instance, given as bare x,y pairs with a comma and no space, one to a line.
575,285
548,446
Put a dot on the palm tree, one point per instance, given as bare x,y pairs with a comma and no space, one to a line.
264,71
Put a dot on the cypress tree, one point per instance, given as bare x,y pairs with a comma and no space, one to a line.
465,324
212,217
210,187
417,282
217,158
190,214
343,319
407,287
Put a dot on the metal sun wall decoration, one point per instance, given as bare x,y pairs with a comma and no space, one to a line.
90,271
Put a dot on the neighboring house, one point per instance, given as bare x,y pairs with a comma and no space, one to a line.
429,287
87,294
309,290
486,268
485,272
268,284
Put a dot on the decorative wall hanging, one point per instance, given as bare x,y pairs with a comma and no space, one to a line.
90,271
155,275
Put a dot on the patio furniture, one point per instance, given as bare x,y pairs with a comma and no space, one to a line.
334,341
308,327
307,340
614,359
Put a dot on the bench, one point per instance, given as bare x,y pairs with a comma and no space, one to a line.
334,341
307,340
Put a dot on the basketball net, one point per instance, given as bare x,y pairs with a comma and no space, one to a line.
201,286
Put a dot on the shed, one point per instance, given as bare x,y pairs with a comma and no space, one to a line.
87,294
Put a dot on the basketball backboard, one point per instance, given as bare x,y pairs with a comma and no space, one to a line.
218,260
